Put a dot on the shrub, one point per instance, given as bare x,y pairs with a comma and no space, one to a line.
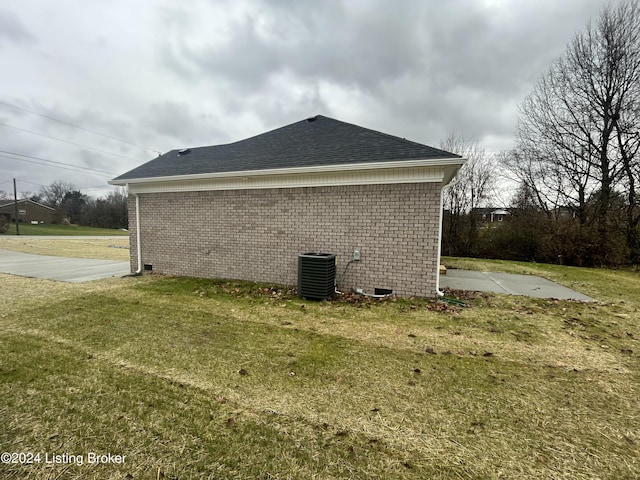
4,224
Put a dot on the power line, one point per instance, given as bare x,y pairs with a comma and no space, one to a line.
79,127
68,141
55,161
47,165
46,161
27,181
96,187
99,187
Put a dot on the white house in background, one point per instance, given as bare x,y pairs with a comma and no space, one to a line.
492,214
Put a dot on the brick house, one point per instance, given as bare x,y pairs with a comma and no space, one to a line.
246,210
28,211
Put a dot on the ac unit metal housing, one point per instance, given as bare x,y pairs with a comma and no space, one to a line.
316,275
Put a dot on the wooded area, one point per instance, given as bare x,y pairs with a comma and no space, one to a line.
576,159
73,206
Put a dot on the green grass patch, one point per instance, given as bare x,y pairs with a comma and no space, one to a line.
192,378
61,230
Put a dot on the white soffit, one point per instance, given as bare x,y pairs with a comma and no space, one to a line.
414,171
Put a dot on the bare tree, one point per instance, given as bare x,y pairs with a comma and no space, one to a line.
52,195
471,187
577,138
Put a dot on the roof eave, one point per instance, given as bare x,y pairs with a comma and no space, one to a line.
451,164
23,200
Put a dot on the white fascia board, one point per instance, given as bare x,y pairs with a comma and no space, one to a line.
321,169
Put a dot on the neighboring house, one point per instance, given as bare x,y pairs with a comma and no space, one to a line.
247,210
491,214
565,212
28,211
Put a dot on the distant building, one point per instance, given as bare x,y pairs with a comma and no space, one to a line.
491,214
28,211
565,212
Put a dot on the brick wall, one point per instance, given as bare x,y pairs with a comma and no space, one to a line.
258,234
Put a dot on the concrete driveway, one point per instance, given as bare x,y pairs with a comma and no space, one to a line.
511,284
60,268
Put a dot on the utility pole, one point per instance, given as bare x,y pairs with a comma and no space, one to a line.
15,204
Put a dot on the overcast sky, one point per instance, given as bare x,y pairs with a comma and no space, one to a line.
163,74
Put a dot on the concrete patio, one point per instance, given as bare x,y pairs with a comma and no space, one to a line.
508,283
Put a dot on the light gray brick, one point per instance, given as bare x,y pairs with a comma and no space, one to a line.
257,234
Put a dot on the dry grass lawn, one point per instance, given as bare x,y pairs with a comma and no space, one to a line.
107,249
211,380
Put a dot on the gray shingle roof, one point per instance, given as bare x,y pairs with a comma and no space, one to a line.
318,141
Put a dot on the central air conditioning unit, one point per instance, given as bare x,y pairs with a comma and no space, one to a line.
316,275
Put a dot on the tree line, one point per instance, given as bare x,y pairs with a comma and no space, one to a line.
73,206
576,160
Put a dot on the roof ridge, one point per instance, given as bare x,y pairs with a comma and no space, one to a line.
377,132
312,142
395,137
271,131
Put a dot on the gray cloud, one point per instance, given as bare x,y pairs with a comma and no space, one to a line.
452,61
164,74
12,29
329,45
